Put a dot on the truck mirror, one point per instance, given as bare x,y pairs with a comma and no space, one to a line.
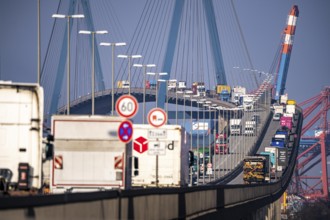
49,151
50,138
191,158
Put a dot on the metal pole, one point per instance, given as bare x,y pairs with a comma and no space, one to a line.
112,79
157,170
210,160
129,75
184,109
68,67
204,145
144,93
166,107
156,89
39,52
93,75
176,104
191,173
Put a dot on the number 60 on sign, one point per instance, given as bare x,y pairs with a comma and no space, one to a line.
127,106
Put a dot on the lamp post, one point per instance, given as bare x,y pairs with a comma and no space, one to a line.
176,97
208,104
93,61
68,17
144,84
157,76
112,45
129,57
176,100
189,92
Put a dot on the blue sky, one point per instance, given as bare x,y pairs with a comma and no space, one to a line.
261,22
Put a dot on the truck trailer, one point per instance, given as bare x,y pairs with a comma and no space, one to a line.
88,154
22,153
250,128
235,126
160,156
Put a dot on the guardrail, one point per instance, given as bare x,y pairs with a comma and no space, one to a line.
228,201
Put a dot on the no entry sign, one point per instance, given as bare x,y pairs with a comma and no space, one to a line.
157,117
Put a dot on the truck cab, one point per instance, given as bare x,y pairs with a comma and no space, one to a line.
23,151
221,144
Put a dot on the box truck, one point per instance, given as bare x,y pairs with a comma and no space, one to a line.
22,151
235,126
88,154
250,128
160,156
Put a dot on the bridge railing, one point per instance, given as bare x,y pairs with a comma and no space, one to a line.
168,203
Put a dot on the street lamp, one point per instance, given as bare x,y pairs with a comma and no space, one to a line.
68,53
189,95
129,57
144,84
176,97
93,60
157,75
167,88
208,104
113,45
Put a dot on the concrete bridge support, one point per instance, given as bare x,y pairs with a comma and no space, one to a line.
271,211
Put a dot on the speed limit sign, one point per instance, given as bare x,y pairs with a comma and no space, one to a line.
127,106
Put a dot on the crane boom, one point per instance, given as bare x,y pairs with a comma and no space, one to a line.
289,32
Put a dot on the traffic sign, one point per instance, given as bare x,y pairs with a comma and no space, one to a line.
125,131
127,106
157,117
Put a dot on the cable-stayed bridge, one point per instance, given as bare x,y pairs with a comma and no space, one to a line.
191,41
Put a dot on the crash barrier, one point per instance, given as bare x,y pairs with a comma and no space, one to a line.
234,201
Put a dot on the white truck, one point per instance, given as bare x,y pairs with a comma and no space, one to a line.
290,109
283,99
248,102
88,154
280,154
124,84
235,126
160,156
22,152
278,109
237,94
250,128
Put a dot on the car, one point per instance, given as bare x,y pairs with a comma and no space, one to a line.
276,116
